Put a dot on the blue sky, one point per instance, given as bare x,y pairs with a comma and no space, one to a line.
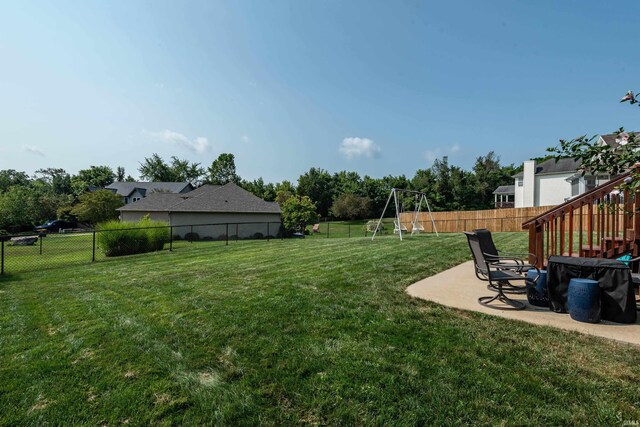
379,87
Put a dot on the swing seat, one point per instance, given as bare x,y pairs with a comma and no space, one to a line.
416,227
399,226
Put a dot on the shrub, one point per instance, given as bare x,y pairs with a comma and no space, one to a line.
258,236
117,238
207,239
371,226
192,237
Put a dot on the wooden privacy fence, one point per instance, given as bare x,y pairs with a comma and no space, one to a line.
458,221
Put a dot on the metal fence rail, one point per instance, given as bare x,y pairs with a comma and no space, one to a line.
38,251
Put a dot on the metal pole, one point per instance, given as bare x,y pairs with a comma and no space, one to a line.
349,230
328,224
432,221
267,232
237,234
2,256
383,211
93,250
227,236
171,238
395,198
191,235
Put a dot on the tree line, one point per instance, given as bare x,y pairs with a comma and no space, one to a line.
53,193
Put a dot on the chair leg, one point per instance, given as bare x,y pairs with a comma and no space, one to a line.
500,296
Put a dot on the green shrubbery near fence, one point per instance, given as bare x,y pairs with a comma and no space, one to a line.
117,238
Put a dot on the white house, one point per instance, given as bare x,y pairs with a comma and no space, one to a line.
552,182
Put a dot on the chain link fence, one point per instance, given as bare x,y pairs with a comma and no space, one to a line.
38,251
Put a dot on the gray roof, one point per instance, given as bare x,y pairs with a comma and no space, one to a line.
228,198
551,166
124,189
610,138
505,189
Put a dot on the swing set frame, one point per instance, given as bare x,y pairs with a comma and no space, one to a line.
420,196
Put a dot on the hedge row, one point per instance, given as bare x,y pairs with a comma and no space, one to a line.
116,238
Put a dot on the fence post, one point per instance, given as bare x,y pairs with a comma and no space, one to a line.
41,238
237,232
2,256
93,253
267,232
171,238
328,224
349,225
191,235
227,236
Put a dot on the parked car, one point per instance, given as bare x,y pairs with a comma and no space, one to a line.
54,225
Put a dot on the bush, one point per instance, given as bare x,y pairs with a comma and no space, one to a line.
258,236
117,238
192,237
371,226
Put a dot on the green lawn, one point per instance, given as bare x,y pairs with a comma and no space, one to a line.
313,331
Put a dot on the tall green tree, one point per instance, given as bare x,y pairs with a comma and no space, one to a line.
57,179
298,212
317,184
11,177
223,170
97,206
95,176
155,169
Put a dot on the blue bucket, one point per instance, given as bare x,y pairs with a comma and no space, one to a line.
583,300
537,291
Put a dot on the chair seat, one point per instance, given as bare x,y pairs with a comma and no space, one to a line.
502,275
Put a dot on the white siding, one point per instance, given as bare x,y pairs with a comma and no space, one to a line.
519,195
552,189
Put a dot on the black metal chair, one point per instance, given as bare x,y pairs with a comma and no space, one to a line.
498,273
496,256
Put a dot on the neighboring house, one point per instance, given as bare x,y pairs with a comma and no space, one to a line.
504,196
134,191
235,212
552,182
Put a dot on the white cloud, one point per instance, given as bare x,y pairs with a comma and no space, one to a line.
198,145
246,139
456,148
33,150
359,147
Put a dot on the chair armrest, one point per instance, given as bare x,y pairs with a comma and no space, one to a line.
523,254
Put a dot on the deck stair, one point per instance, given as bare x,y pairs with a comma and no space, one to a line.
601,223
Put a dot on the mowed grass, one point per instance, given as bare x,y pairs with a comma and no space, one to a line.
314,331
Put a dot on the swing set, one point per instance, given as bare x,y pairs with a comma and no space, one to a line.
398,227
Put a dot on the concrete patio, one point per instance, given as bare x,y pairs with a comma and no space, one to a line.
459,288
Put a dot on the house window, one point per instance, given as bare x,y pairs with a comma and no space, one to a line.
575,187
519,182
135,199
126,200
590,183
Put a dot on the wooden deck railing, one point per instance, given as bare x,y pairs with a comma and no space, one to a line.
601,223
